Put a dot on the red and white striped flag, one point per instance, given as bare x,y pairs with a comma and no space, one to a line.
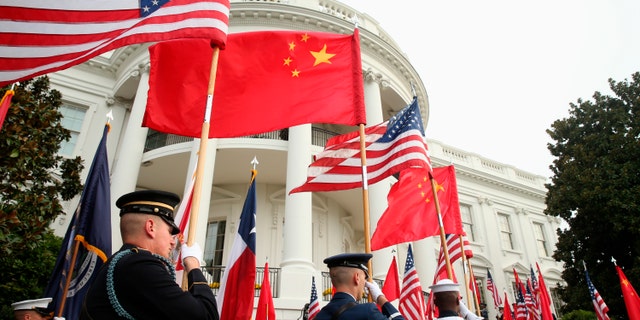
314,303
390,147
455,253
182,221
40,36
497,300
532,302
600,307
412,305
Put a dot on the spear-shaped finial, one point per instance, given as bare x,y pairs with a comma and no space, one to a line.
614,261
254,162
110,116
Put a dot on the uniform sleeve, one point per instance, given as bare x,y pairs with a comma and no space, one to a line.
388,312
147,291
391,312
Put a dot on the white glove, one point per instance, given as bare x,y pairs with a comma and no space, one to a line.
58,318
466,313
374,289
192,251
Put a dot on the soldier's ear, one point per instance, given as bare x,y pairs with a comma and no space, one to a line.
150,227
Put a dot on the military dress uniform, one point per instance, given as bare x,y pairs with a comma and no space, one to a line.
138,284
32,309
357,311
344,306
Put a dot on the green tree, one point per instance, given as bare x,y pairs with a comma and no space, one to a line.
595,188
580,315
34,180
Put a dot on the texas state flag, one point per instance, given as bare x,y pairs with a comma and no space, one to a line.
235,301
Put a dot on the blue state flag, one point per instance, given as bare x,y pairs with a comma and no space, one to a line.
89,231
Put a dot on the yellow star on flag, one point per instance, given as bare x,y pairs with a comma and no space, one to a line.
322,56
287,61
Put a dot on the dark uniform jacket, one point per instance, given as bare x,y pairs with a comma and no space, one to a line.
145,289
358,311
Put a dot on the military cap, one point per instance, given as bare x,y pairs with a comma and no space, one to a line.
156,202
37,305
444,285
353,260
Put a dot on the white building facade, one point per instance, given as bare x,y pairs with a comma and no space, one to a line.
502,206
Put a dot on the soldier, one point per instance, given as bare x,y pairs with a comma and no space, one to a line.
349,275
138,282
446,297
32,309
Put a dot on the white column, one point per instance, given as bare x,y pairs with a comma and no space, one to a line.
297,266
126,168
425,255
378,191
207,184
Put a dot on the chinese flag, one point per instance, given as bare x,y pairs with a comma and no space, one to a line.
266,309
411,214
631,300
265,81
391,286
507,315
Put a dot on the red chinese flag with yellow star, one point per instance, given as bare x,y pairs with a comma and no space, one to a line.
265,81
411,214
631,299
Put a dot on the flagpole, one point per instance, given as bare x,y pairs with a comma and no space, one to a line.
202,155
467,278
475,293
365,199
69,275
443,239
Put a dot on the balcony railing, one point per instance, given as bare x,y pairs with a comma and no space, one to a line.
157,139
214,275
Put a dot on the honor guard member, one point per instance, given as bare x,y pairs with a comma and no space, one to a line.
138,282
446,296
349,274
32,309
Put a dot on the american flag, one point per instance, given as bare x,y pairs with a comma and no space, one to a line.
412,305
531,302
40,36
314,304
497,300
598,303
390,147
455,253
521,304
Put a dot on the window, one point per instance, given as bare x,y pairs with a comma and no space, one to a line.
505,231
480,284
467,221
541,242
556,301
214,245
72,119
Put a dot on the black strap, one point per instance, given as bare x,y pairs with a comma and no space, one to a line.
342,309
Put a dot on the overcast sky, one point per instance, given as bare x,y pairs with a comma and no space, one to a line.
498,73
